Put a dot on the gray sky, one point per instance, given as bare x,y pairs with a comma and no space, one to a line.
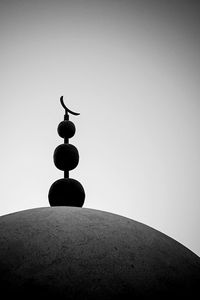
132,69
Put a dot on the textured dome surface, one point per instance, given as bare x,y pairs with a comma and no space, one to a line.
79,253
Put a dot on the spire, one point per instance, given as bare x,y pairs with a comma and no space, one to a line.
66,191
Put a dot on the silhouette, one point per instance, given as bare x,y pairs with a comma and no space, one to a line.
66,191
66,157
72,253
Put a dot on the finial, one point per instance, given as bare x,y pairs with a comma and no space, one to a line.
67,109
66,191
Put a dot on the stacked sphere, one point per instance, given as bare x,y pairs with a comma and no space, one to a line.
66,191
66,129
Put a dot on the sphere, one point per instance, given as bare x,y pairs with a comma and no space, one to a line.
78,253
66,129
66,157
66,192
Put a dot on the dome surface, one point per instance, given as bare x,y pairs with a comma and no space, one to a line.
79,253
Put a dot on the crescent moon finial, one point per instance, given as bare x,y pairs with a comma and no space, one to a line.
67,110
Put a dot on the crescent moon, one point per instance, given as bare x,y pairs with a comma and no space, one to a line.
67,109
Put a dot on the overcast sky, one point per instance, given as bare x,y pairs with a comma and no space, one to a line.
132,69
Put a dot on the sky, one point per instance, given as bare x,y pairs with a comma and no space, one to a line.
132,70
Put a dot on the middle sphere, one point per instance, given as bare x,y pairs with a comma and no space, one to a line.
66,157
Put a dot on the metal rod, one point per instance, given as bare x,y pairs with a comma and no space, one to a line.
66,174
66,118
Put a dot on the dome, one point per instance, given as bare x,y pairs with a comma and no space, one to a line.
80,253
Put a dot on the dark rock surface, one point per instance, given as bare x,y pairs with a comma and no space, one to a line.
79,253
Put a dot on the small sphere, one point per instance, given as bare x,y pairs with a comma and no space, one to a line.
66,129
66,192
66,157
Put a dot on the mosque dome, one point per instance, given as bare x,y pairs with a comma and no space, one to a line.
74,253
80,253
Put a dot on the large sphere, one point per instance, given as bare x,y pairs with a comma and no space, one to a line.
66,157
66,192
79,253
66,129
